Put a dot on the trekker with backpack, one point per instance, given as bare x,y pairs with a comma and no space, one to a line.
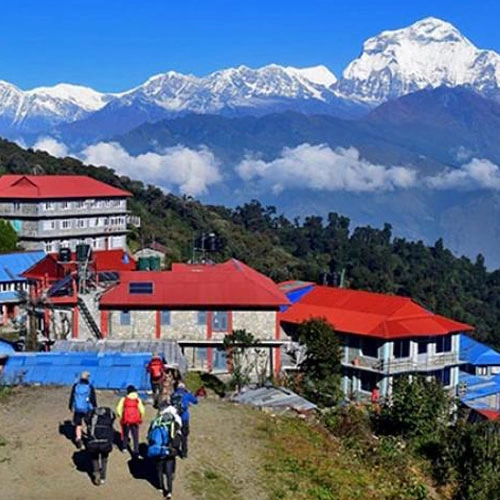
82,400
157,372
130,410
164,441
99,443
181,399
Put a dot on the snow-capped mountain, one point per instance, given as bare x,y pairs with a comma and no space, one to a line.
429,53
37,109
232,88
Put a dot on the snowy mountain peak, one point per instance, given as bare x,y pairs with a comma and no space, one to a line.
320,75
84,97
429,53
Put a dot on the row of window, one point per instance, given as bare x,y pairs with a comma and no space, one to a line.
83,204
102,243
369,380
90,222
220,319
401,348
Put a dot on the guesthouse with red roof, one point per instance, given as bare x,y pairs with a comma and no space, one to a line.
383,336
197,305
50,212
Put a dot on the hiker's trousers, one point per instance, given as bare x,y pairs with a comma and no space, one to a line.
134,430
184,439
166,471
99,463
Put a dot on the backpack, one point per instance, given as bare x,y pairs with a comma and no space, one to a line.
100,432
177,401
81,400
156,368
163,437
131,413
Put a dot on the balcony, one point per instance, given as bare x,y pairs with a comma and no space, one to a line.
72,232
37,210
402,365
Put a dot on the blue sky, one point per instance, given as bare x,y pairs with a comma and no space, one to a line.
113,45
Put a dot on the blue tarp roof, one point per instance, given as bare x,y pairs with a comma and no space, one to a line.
107,370
12,265
479,387
10,296
476,353
6,349
295,295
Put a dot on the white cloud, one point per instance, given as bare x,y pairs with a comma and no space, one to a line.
323,168
51,146
193,171
477,174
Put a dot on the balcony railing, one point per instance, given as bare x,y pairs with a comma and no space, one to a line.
401,365
38,211
53,233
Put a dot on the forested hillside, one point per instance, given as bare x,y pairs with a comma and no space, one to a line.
372,258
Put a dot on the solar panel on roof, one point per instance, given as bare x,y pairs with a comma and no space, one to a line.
140,288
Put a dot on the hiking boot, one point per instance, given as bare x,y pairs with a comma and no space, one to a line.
168,495
95,480
79,444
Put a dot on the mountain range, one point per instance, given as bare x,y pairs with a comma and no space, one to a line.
406,134
428,54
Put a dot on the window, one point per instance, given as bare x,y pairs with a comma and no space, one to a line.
49,247
444,376
220,321
66,224
368,381
422,347
48,205
165,317
443,344
17,206
369,348
125,318
81,223
401,348
49,225
65,205
139,288
220,360
482,371
79,204
202,318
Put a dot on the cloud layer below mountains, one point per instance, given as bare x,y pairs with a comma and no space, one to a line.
316,167
190,171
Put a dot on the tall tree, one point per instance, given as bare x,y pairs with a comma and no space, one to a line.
8,237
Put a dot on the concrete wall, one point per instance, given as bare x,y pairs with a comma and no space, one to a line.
262,324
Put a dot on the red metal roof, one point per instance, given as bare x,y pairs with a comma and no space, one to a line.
489,414
48,187
371,314
232,284
102,261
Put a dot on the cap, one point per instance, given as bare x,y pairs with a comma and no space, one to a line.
181,385
85,375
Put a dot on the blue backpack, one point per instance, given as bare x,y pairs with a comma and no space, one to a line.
160,438
82,402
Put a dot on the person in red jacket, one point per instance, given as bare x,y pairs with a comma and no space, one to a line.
130,410
157,373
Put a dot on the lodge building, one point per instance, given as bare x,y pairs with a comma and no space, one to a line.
50,212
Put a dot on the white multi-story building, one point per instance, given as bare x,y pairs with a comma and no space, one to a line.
382,337
50,212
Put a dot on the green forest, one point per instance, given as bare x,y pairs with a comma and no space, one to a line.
372,258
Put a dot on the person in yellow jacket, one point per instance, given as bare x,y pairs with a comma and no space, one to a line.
130,411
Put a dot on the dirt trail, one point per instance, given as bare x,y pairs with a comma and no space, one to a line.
38,462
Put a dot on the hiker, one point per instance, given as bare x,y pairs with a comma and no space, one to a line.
130,410
181,399
81,401
164,441
99,441
156,370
